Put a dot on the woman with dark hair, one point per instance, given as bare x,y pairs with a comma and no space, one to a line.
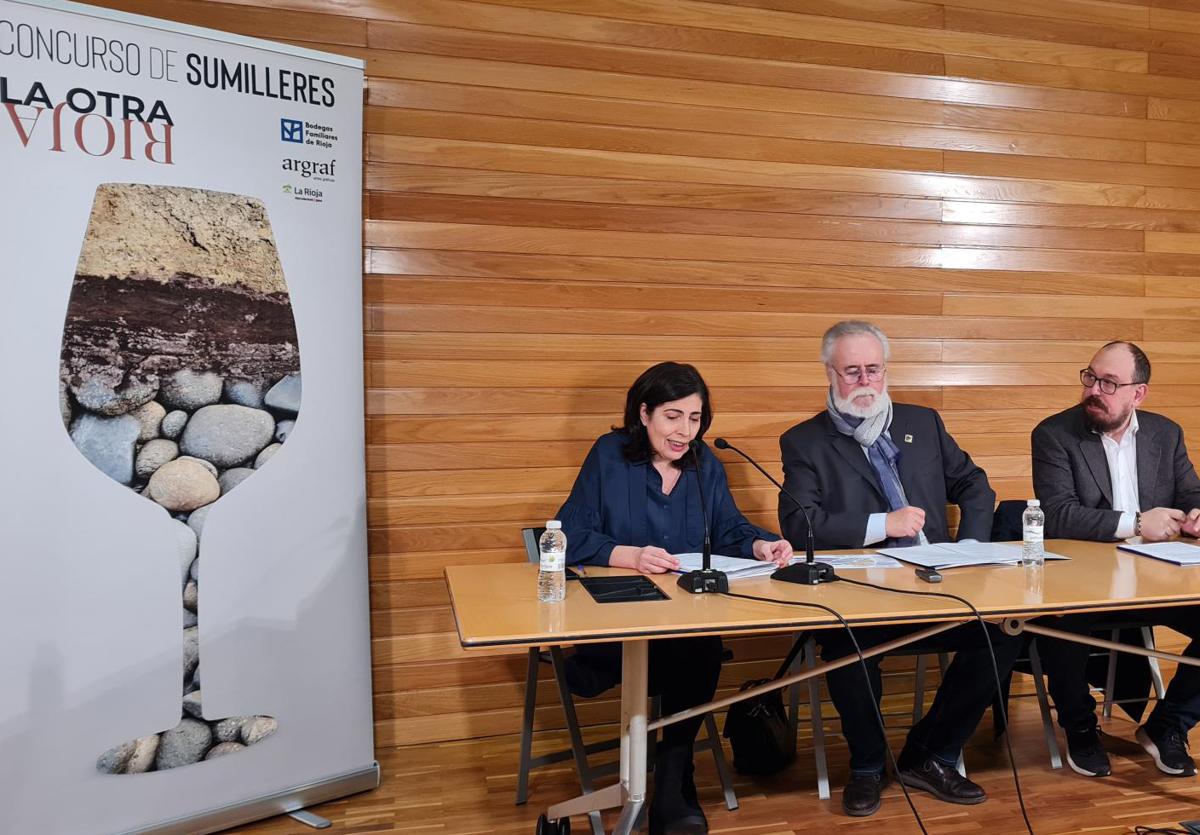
636,503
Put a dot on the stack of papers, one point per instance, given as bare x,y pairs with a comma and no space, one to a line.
1180,553
844,561
734,567
737,568
957,554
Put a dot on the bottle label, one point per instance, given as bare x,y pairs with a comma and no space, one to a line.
553,560
1033,533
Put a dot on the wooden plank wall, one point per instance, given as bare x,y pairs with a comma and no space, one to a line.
562,192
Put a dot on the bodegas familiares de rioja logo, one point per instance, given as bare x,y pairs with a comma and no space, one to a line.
97,122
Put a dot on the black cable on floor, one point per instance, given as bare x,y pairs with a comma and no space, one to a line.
866,675
995,671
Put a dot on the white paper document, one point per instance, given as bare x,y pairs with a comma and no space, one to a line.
734,567
844,561
958,554
1180,553
737,568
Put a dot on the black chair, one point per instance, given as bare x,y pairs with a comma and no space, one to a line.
1139,669
1007,525
579,752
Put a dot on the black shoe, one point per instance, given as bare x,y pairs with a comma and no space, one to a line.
1086,755
675,809
1169,748
941,781
860,797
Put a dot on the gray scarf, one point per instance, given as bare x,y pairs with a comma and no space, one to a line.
864,430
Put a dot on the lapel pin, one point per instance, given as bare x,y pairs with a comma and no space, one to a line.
908,439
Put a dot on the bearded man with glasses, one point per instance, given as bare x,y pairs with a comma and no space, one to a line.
1105,470
871,472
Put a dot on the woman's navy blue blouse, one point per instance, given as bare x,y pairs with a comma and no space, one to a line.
618,502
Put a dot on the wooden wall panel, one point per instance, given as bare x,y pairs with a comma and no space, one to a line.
562,192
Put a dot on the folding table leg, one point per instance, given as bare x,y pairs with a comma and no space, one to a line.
818,722
634,709
1039,687
531,678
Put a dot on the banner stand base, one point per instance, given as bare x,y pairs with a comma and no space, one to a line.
281,803
309,819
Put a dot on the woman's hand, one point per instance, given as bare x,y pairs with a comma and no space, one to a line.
778,552
652,560
645,560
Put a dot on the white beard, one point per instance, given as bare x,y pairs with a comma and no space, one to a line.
847,406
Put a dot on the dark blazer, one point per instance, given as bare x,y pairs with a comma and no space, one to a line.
831,476
1072,481
607,507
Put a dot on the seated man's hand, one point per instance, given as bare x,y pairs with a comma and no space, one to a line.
1191,525
1161,523
778,552
907,521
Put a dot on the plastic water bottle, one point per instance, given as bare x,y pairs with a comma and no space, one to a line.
552,569
1033,521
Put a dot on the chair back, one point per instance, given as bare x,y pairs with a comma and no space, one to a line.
1006,523
531,537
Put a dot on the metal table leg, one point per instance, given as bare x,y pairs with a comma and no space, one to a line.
635,680
630,792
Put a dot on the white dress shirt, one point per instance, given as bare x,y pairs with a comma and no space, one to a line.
877,522
1122,469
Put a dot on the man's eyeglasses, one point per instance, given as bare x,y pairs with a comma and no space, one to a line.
854,373
1089,379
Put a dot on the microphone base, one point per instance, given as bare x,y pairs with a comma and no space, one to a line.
806,573
704,581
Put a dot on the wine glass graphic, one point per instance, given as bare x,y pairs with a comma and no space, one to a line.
180,378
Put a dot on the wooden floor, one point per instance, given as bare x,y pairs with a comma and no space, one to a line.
467,787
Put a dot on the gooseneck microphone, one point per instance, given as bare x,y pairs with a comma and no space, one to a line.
706,579
706,551
809,572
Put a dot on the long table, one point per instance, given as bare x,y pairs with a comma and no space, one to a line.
497,605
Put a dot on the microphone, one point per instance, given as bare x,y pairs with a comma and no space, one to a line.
706,579
809,572
706,551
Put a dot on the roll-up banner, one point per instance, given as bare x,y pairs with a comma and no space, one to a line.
184,624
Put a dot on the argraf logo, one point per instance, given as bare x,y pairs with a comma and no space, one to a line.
309,169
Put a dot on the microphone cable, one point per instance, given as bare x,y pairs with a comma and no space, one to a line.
995,672
866,676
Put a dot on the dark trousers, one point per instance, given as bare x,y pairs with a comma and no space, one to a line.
1065,663
968,688
683,673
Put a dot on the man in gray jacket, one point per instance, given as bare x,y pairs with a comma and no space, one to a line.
1105,471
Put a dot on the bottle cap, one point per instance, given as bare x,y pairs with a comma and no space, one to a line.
1034,503
553,525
